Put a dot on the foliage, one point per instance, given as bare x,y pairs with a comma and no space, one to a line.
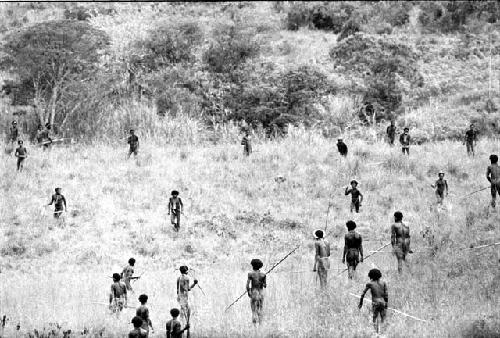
321,15
50,56
385,68
449,16
229,50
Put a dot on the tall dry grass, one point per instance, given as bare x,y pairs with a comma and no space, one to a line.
235,211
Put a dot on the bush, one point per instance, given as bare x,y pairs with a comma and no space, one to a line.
230,49
385,68
325,16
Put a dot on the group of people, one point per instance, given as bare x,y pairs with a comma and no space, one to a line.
256,282
118,301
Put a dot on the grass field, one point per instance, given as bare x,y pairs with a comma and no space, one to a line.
235,211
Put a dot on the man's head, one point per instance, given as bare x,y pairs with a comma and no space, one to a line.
398,216
354,183
137,321
58,190
132,131
406,130
472,126
493,159
40,127
184,269
174,193
175,312
143,299
131,261
340,140
375,274
351,225
319,233
256,264
20,142
441,174
392,122
116,277
14,123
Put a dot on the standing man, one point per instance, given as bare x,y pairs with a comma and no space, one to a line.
246,142
380,296
21,154
470,140
391,133
128,274
356,196
175,209
493,176
321,258
353,249
118,295
400,239
256,283
13,132
342,147
441,186
133,142
59,203
405,140
183,289
143,313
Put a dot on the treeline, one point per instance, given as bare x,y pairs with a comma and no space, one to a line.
70,73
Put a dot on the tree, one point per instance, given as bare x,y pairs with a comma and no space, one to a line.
49,58
383,69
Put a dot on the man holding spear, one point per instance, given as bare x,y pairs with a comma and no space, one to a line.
321,258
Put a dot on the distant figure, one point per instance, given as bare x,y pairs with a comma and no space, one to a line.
118,295
21,154
341,147
183,289
43,136
470,140
246,142
59,203
441,186
128,274
39,134
137,332
13,132
143,313
353,249
321,258
256,283
173,327
493,176
356,196
400,239
405,140
380,296
133,142
175,209
391,133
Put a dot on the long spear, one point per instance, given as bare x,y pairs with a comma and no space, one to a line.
395,310
268,271
472,193
365,258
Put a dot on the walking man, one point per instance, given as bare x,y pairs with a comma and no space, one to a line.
175,209
470,140
405,140
21,154
493,176
256,283
441,186
133,142
353,249
321,258
400,239
391,133
59,203
342,147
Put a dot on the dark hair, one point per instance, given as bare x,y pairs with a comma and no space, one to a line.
351,225
19,141
375,274
175,312
57,189
137,321
174,192
143,298
116,277
131,261
183,269
354,181
406,128
256,264
319,233
14,122
398,216
494,158
132,130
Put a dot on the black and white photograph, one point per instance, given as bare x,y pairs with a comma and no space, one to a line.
274,169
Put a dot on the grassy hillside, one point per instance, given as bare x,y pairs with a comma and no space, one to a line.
235,211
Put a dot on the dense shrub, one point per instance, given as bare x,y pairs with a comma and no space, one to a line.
321,15
385,67
230,49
